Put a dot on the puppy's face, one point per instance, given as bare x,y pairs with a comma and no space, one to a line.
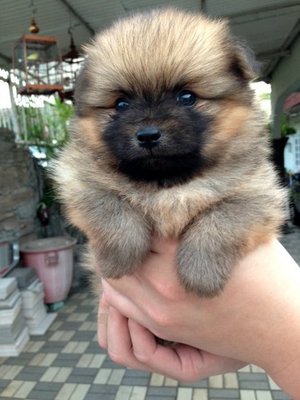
163,93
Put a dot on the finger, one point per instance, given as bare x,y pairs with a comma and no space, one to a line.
179,362
119,345
147,311
145,286
121,302
216,365
147,307
103,310
162,261
162,246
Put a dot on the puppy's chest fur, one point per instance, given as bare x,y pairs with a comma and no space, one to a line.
170,211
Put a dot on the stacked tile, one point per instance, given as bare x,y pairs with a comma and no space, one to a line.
13,329
37,319
32,292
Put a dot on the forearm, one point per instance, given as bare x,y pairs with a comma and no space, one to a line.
288,378
284,365
267,305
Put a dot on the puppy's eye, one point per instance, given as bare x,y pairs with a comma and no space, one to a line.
186,98
122,104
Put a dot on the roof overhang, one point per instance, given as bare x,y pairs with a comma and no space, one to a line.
270,27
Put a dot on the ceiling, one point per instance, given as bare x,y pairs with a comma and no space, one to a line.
270,27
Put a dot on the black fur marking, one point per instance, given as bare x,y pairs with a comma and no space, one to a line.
175,158
165,171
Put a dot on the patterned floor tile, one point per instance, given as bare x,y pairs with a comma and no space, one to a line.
10,371
247,395
200,394
75,347
185,394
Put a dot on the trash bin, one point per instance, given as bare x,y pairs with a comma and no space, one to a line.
52,259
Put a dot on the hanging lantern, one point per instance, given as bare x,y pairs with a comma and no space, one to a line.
72,63
33,26
37,63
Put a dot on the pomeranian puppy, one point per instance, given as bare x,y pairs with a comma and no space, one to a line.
168,140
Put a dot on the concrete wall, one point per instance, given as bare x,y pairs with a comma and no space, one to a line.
18,190
285,80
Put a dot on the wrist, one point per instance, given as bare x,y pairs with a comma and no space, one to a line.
288,378
263,297
280,356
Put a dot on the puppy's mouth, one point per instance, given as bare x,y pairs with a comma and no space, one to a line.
149,147
164,170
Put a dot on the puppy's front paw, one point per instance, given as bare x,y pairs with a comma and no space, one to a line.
203,269
118,258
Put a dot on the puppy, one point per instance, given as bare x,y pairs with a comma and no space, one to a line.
168,140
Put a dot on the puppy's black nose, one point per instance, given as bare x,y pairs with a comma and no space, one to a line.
148,136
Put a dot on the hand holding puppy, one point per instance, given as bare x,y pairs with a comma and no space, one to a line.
255,319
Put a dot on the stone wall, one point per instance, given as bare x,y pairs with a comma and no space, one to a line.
18,190
22,186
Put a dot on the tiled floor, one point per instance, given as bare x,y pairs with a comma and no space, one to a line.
67,363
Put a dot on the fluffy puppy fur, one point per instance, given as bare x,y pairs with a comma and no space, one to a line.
168,140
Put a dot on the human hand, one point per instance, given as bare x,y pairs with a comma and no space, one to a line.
248,321
128,343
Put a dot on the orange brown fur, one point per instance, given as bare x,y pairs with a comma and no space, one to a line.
222,208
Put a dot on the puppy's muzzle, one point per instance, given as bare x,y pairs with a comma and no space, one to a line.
148,136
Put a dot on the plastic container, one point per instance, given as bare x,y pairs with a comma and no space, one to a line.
52,259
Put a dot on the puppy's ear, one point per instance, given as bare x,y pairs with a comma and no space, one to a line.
243,64
82,84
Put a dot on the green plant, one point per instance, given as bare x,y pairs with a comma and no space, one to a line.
285,127
34,124
265,96
46,127
59,119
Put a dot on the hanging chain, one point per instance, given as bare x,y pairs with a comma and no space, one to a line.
33,7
